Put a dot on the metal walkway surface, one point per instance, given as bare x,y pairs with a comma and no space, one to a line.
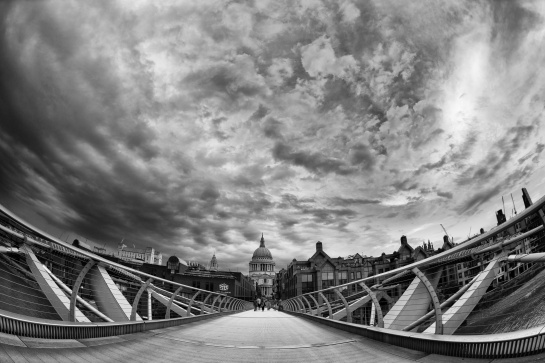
251,336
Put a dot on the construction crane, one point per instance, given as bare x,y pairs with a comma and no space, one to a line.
451,238
514,208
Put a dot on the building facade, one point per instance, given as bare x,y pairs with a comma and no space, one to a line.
138,255
261,270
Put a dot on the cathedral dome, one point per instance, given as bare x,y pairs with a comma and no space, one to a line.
262,252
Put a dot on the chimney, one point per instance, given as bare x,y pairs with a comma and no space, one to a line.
403,240
526,198
319,246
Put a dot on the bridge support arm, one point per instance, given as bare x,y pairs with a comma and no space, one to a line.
300,305
317,311
51,290
220,302
231,303
348,313
77,285
143,288
327,303
289,304
376,305
309,306
434,299
203,303
191,303
214,302
171,300
224,302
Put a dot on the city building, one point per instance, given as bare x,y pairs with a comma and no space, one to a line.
153,257
261,270
139,256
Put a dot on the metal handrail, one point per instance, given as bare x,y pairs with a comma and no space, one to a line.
91,255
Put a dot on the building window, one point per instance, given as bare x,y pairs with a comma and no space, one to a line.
351,276
328,279
343,277
358,275
307,283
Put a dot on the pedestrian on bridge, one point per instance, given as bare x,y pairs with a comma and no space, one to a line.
257,303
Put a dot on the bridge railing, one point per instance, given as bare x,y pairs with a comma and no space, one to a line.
60,290
481,293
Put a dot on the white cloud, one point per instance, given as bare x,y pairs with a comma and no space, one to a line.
319,60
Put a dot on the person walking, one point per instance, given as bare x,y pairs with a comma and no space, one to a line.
263,305
257,303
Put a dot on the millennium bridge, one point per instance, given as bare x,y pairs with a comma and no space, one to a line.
61,303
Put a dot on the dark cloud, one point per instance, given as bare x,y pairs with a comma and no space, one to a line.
260,113
361,155
328,216
433,166
232,81
470,205
534,155
210,193
391,215
292,201
272,128
351,201
511,23
314,162
499,156
447,195
406,184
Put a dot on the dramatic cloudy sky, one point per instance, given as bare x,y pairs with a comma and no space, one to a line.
195,126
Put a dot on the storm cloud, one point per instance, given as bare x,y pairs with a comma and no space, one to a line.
194,127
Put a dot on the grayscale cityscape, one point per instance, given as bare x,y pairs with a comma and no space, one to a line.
272,181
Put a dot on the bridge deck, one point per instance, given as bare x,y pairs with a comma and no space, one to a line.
250,336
